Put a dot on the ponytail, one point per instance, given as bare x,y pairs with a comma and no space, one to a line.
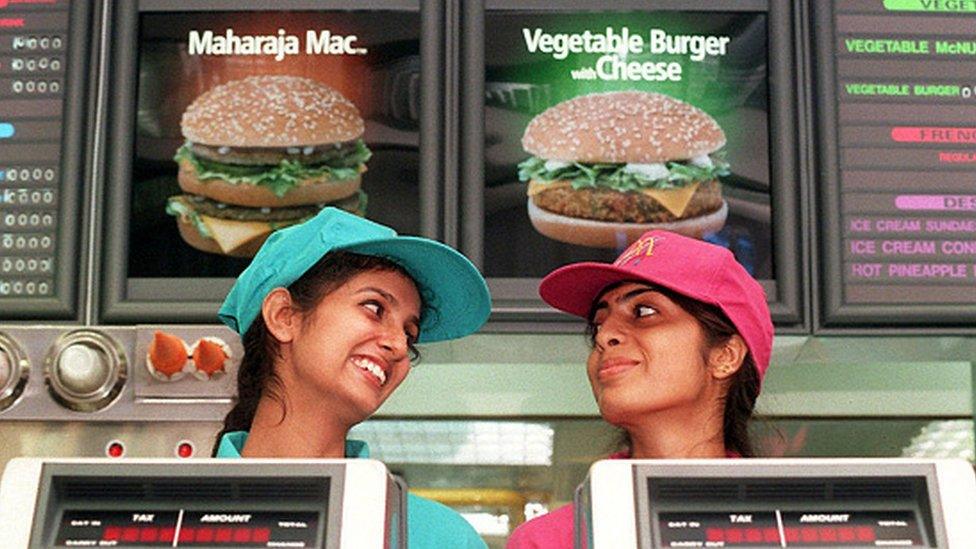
255,375
740,400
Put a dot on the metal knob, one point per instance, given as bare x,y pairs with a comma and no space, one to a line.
14,368
85,370
81,369
4,367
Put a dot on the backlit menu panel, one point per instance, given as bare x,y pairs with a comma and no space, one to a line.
39,136
898,161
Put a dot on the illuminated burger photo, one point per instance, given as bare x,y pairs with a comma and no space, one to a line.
608,167
263,153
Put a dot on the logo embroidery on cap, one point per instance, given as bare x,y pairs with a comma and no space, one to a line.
641,248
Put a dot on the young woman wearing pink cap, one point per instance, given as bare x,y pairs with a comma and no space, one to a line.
681,337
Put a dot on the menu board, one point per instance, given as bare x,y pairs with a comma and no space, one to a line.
39,138
248,122
599,122
897,116
600,126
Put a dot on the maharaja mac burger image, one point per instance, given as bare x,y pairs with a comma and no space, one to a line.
608,167
263,153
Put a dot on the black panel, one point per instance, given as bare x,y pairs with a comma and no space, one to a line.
151,273
504,86
897,213
45,82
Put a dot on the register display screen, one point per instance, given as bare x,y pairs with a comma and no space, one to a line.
546,195
833,528
184,528
249,122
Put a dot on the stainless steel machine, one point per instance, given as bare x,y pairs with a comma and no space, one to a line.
651,504
335,504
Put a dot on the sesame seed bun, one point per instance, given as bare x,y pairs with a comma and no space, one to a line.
318,190
271,111
622,127
608,234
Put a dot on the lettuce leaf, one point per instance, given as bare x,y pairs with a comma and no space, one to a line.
280,178
177,208
613,176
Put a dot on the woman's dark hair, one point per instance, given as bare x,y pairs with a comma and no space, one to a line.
255,375
740,399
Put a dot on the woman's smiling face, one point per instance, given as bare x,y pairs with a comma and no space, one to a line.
648,354
353,350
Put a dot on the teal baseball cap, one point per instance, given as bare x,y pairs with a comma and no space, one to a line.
455,297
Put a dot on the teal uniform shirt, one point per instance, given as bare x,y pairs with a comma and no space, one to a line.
430,525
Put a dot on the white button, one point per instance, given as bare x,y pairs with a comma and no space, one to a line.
82,369
4,367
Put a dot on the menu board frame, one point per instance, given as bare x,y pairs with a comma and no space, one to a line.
125,300
834,314
69,273
516,305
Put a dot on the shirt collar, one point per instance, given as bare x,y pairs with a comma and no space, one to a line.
231,445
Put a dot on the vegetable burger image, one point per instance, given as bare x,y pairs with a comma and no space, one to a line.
264,153
608,167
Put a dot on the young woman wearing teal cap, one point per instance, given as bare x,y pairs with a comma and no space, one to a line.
329,311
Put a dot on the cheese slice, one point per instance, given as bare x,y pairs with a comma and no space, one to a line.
673,200
231,235
536,187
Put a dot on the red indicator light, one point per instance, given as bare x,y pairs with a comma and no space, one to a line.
864,533
205,534
115,449
733,535
845,533
808,534
187,534
753,534
223,534
149,533
828,533
184,449
261,535
770,534
242,535
166,534
714,534
792,534
130,533
112,533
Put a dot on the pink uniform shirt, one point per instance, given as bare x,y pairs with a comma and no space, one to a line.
552,530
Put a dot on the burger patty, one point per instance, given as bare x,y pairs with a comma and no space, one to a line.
261,156
625,207
212,208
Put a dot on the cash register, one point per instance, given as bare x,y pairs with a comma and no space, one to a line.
335,504
753,503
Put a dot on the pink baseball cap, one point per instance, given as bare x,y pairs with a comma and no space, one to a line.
690,267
